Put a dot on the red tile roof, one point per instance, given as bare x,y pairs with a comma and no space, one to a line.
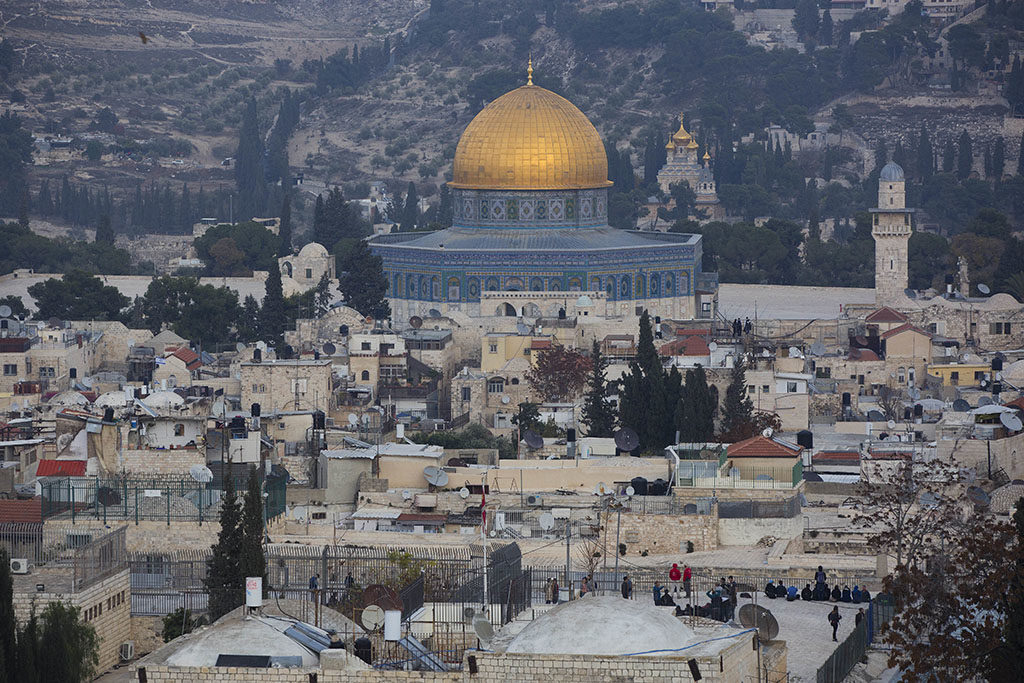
540,344
764,447
905,327
863,354
851,457
1017,403
20,511
189,357
886,315
60,468
687,346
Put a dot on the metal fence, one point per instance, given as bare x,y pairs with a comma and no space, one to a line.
841,662
158,498
99,559
758,509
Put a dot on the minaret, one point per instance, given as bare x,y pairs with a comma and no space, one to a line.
891,228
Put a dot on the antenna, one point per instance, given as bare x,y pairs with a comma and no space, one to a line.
755,616
1011,422
201,473
627,440
372,617
533,440
547,521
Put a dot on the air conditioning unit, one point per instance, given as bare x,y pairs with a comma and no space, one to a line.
127,650
534,500
19,565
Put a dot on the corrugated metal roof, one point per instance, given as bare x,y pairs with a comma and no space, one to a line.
377,513
351,453
61,468
14,511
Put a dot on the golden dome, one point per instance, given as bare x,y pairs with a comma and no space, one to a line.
681,135
692,144
530,139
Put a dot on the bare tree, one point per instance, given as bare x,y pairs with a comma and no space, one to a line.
890,402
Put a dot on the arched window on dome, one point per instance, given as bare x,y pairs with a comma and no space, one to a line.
655,284
435,289
411,283
536,285
669,285
641,292
474,289
514,284
396,289
492,284
287,268
454,289
609,288
554,285
424,288
575,284
626,286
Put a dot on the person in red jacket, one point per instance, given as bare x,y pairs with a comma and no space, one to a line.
674,575
687,575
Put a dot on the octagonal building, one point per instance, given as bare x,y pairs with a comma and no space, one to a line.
530,234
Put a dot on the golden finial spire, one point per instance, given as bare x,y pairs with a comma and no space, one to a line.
529,70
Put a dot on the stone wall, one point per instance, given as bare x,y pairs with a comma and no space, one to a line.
176,461
149,536
667,534
747,532
106,605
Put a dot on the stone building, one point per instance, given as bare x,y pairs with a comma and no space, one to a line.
530,198
305,268
683,164
891,228
287,384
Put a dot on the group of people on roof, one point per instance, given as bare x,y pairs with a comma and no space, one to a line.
820,591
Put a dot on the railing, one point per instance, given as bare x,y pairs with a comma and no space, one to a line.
759,509
100,559
412,598
841,662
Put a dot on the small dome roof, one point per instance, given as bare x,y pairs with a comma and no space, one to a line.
603,625
69,398
1014,370
111,399
163,399
892,172
313,249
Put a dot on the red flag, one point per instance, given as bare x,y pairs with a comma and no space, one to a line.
483,506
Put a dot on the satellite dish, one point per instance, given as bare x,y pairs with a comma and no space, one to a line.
406,495
505,400
755,616
627,440
818,349
961,406
201,473
985,401
435,476
630,491
239,347
352,419
463,493
1011,422
547,521
914,393
712,347
978,496
984,289
794,352
330,349
533,439
5,311
910,293
767,433
415,322
891,424
483,630
372,617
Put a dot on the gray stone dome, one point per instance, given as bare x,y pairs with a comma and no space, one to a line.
604,625
892,172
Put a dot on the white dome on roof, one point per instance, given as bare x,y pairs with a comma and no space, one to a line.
1014,370
111,399
313,250
69,398
163,399
604,625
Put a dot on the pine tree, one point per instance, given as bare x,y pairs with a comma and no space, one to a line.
998,158
29,652
252,561
361,281
805,21
8,625
411,211
826,29
598,414
273,316
737,411
925,156
648,398
965,156
104,231
696,421
322,296
285,230
224,579
948,157
249,176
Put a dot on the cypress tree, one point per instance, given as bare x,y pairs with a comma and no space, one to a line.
411,212
998,158
598,415
8,625
361,281
948,157
925,156
825,32
696,422
249,176
224,579
648,398
987,161
1020,156
737,411
252,561
272,314
285,231
965,156
104,231
29,653
655,156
